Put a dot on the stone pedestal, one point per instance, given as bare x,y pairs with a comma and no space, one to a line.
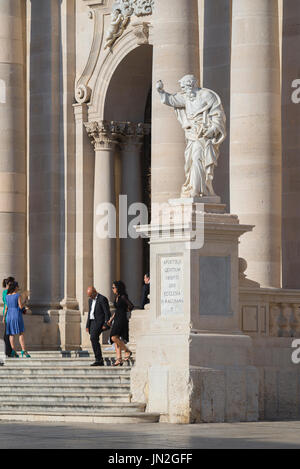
193,363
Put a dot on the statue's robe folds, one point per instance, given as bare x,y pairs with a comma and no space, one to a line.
198,114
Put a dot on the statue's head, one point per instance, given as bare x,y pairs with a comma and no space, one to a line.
188,84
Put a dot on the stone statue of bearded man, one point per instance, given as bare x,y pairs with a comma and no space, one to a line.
201,114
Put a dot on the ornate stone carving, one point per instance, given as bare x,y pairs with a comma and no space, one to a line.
121,14
105,133
102,134
82,94
141,31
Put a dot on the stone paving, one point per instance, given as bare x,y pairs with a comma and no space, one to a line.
268,435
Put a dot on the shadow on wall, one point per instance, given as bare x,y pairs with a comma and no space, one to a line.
216,76
290,147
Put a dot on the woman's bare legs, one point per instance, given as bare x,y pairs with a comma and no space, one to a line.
22,341
12,341
120,345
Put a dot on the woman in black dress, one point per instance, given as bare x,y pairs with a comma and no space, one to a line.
119,333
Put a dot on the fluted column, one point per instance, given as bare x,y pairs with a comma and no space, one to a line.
12,142
175,54
131,186
45,166
255,149
291,145
104,238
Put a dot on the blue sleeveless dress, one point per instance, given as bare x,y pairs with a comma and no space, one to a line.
14,317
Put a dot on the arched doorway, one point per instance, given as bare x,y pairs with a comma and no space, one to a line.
128,99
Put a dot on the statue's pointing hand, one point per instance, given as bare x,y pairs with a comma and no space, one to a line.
160,86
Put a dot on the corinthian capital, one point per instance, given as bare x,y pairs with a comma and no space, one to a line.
133,134
103,134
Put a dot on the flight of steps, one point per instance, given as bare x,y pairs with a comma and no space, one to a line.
62,387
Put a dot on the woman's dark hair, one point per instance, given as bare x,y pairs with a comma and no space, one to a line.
12,286
6,281
121,288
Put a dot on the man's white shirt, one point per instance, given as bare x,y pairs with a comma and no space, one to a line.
92,313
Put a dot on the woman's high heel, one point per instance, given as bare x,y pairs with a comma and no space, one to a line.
25,354
14,354
126,359
118,362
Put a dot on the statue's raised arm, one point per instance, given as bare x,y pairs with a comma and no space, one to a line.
202,117
173,100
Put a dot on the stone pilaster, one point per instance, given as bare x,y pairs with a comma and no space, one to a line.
69,318
85,165
255,149
12,143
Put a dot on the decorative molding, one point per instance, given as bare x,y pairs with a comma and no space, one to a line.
92,3
122,11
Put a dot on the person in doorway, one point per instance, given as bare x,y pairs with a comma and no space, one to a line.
119,334
5,283
14,319
145,292
99,315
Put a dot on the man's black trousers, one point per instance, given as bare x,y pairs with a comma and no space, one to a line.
95,332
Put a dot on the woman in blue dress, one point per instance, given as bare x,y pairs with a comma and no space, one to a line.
5,285
14,319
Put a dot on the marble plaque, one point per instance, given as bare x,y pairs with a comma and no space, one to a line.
215,286
171,297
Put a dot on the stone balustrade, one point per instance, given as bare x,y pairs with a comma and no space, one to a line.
270,312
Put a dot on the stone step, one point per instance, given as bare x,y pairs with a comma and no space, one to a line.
112,388
68,398
63,387
75,379
75,406
58,362
70,416
106,351
64,370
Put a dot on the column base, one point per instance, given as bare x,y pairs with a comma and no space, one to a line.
69,329
2,352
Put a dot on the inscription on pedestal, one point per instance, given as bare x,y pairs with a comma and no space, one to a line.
172,298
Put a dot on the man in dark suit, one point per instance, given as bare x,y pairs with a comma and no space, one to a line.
99,314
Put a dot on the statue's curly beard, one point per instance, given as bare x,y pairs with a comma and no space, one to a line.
191,94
